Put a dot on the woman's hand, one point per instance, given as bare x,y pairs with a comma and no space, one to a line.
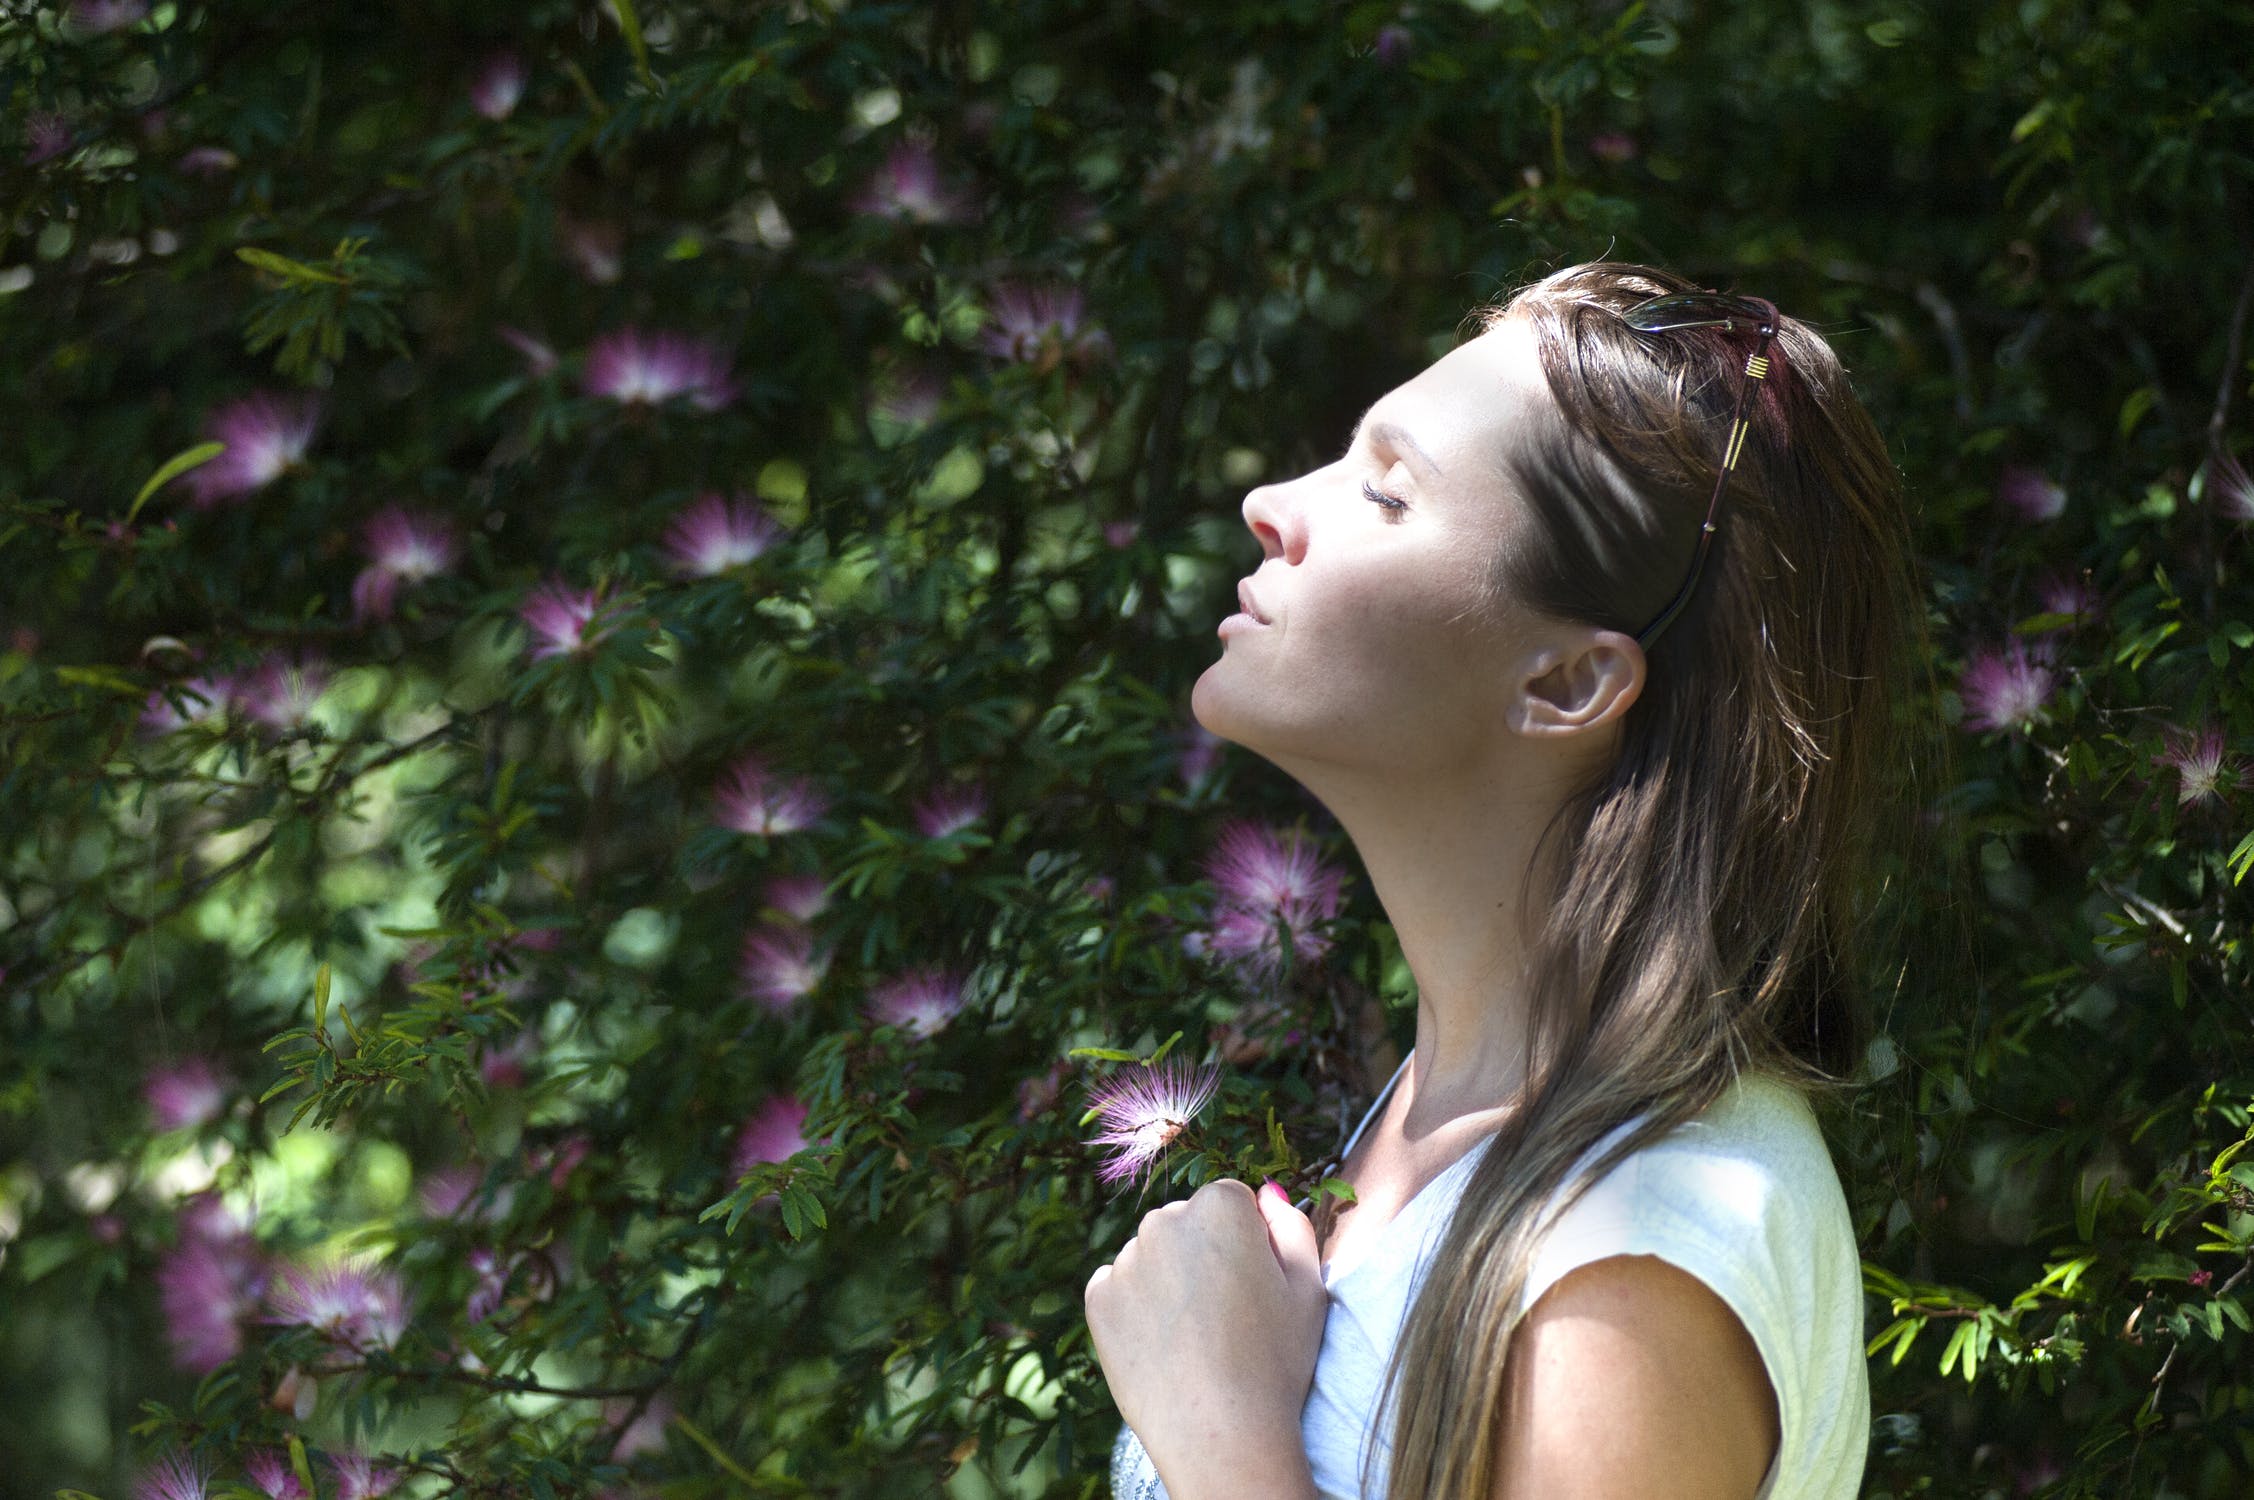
1207,1327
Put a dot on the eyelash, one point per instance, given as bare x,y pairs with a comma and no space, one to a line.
1393,505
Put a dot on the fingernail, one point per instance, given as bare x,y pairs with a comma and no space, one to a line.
1276,1188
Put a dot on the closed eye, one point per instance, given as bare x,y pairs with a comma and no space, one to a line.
1393,504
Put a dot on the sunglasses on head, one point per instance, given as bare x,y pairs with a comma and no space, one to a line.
1686,310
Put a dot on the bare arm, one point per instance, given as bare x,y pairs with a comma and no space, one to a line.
1630,1378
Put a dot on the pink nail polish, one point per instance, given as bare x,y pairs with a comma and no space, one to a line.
1271,1186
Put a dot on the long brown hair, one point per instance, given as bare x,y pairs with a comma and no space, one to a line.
1707,914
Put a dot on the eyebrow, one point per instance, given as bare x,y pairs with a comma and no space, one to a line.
1398,436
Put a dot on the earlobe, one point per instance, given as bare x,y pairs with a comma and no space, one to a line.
1589,687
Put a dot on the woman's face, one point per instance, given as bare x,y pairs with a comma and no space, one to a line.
1379,650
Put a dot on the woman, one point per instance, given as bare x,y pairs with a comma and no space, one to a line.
1592,642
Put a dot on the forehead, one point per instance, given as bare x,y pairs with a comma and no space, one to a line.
1463,405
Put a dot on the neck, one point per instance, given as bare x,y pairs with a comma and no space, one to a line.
1449,860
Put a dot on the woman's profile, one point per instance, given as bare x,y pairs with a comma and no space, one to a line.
1594,643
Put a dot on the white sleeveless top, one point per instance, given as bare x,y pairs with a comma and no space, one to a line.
1744,1196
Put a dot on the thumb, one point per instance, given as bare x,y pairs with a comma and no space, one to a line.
1290,1235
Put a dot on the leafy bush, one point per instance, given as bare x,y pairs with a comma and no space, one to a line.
599,605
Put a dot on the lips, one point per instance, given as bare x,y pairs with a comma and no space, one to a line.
1251,606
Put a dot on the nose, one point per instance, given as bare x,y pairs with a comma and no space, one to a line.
1270,516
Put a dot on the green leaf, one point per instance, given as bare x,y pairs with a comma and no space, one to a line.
321,999
2134,408
630,26
2241,859
171,469
1164,1048
1104,1054
296,271
1336,1187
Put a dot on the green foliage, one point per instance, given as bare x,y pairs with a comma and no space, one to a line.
441,882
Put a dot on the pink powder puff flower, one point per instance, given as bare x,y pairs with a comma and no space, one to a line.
1039,326
2231,486
1612,146
751,800
1200,753
2005,689
98,17
562,621
949,809
403,546
499,85
490,1283
779,967
645,1434
801,898
47,134
713,534
632,368
360,1306
282,692
1263,876
270,1473
921,1002
1038,1095
909,187
2067,594
906,396
202,698
539,359
1144,1110
185,1094
2029,492
174,1477
207,1286
775,1132
504,1067
2204,769
560,1160
266,436
208,161
593,248
360,1478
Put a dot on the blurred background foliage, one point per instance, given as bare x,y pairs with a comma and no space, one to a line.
685,655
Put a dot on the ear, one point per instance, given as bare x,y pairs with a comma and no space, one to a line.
1580,684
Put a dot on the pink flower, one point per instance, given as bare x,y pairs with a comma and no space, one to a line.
266,436
645,1434
636,368
2204,770
185,1094
201,698
403,547
491,1281
560,1160
1392,45
920,1002
801,898
713,534
750,800
503,1067
96,17
47,134
2067,594
561,620
1265,878
1144,1110
779,967
539,359
906,396
282,692
949,809
2231,486
908,187
2030,492
1040,326
174,1477
1038,1095
499,86
208,161
2005,689
209,1284
359,1305
1200,753
358,1477
1121,534
775,1132
269,1471
593,248
1612,146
